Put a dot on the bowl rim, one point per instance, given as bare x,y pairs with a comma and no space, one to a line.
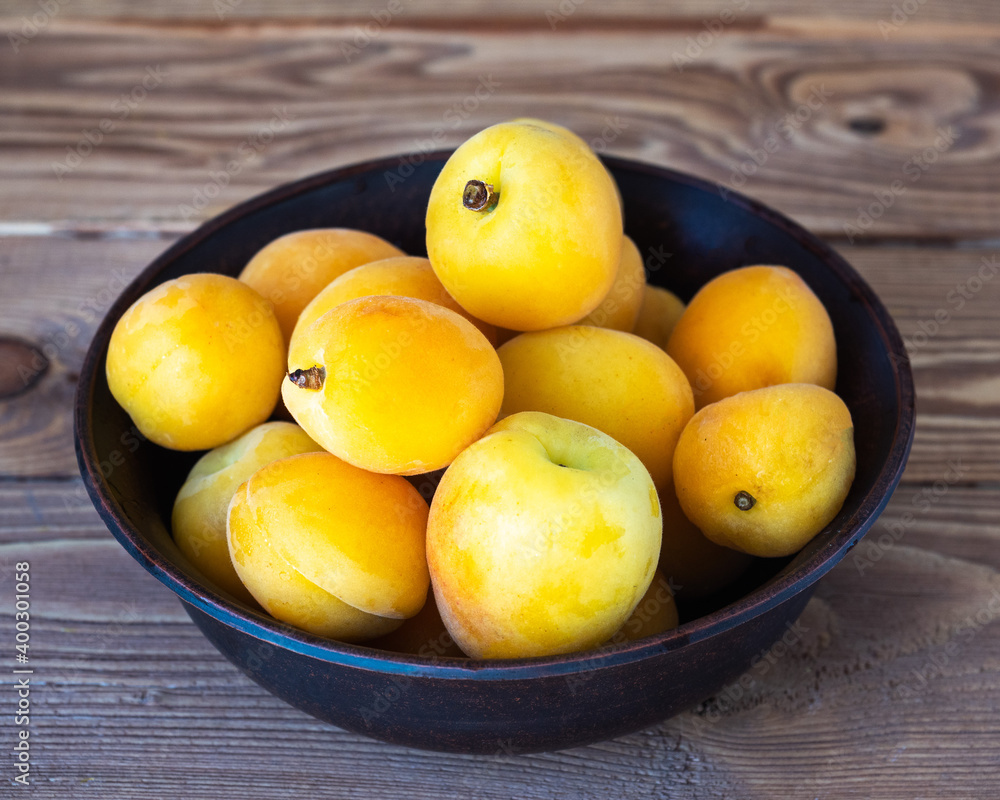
777,590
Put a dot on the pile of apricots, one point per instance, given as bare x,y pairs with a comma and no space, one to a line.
600,446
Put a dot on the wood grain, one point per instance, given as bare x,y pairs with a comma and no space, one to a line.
55,291
194,143
470,12
894,664
893,688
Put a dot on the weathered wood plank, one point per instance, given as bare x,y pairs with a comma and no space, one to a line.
488,11
894,667
53,291
916,112
946,304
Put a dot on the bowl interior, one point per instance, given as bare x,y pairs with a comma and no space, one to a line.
687,231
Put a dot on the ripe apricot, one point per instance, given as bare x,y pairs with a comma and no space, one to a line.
542,538
764,471
658,315
401,276
197,361
753,327
695,565
393,384
353,534
286,595
423,635
524,228
198,522
291,270
579,140
655,613
620,307
618,383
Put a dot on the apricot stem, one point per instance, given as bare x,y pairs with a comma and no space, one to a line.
744,501
479,196
311,378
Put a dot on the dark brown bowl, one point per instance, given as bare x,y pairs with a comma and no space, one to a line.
689,232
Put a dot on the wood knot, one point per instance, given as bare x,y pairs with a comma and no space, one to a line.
867,126
21,366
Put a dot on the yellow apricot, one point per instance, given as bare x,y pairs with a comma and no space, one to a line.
695,565
393,384
618,383
542,538
282,590
291,270
655,613
536,240
402,276
620,307
658,315
580,141
197,361
202,504
423,635
753,327
354,534
765,470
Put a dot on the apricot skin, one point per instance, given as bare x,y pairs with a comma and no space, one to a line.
790,448
753,327
291,270
696,566
354,534
402,276
618,383
197,361
546,253
658,315
409,384
423,635
655,613
542,538
282,590
198,522
619,309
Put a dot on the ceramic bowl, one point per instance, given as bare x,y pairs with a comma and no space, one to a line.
689,231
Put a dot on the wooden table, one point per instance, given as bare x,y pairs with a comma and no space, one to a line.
877,128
